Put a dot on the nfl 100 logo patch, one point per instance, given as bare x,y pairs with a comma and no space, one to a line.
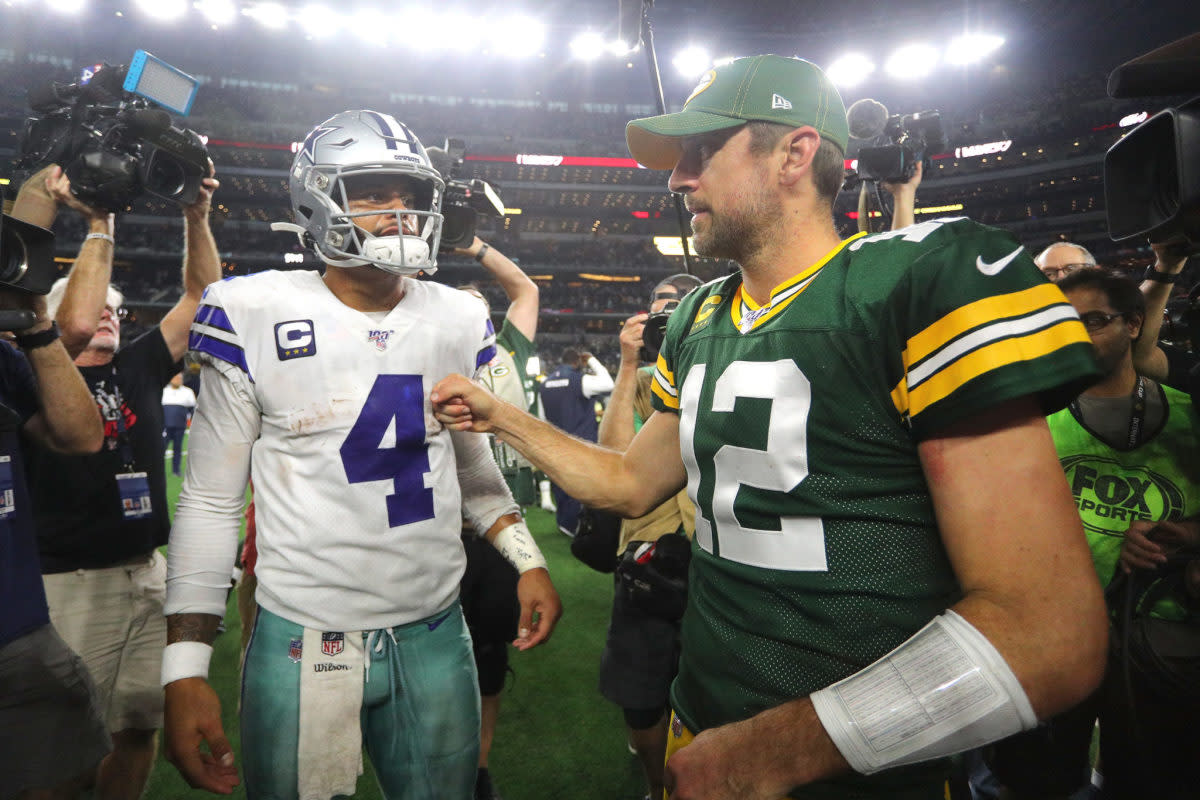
333,643
379,338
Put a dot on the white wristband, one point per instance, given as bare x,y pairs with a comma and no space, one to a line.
516,544
105,236
185,660
944,690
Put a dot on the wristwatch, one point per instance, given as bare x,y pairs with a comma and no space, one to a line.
32,341
1159,277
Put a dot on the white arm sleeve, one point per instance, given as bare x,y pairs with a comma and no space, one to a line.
204,537
485,495
599,382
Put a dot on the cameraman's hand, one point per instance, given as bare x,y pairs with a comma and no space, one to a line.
1169,257
24,301
198,210
59,187
471,250
906,188
631,338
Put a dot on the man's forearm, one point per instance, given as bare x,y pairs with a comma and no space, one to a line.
70,419
616,428
83,301
200,628
201,260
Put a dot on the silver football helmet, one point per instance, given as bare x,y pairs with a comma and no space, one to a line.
356,145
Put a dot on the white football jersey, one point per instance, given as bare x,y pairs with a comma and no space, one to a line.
357,500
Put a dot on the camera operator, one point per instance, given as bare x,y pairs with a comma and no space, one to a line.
104,578
47,689
904,197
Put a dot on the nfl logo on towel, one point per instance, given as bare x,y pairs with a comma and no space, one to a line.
332,643
295,649
379,338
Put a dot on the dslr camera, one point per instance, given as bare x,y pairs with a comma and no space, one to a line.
672,290
111,135
462,200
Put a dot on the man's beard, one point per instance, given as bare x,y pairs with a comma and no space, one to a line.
1111,359
739,235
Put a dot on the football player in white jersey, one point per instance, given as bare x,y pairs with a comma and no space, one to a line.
317,386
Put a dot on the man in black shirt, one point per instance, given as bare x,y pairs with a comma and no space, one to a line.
104,578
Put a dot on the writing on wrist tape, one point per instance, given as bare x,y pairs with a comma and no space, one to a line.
516,544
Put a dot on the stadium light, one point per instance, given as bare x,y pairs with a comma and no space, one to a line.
912,61
588,46
319,21
162,10
271,16
522,36
970,48
850,70
66,6
723,60
218,12
692,61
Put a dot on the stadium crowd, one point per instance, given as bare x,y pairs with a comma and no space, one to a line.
1011,364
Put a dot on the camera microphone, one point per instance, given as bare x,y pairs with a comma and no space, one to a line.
867,118
149,121
51,96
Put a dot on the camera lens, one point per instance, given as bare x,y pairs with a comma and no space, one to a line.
14,257
165,176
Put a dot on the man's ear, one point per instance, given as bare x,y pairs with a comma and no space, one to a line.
1135,326
800,148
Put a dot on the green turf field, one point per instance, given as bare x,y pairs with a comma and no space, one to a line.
557,737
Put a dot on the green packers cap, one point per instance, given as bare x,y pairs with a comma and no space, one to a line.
790,91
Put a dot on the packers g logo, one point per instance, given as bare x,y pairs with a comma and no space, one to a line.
1111,495
704,83
706,310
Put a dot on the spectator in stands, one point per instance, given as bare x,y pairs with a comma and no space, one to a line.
54,733
489,585
641,650
104,577
568,401
1062,258
1128,445
178,404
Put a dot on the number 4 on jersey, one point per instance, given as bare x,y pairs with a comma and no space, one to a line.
400,398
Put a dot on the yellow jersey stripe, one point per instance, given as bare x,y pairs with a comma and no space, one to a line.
661,367
961,320
985,359
668,400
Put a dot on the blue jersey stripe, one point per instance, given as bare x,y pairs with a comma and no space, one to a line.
485,356
216,348
214,316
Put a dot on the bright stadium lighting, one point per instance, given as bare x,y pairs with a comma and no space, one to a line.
970,48
66,6
692,61
912,61
319,21
850,70
163,10
218,12
272,16
522,36
619,48
720,62
588,46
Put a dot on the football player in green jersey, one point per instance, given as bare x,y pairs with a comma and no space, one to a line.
888,566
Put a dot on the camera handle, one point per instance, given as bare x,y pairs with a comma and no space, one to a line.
17,319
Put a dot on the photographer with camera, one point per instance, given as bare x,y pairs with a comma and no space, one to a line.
55,732
641,650
1165,363
104,577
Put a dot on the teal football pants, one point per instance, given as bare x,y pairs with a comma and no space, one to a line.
420,712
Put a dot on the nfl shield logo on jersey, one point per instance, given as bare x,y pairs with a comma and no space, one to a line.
332,643
295,649
380,338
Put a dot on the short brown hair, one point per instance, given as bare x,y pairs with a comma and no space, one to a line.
828,164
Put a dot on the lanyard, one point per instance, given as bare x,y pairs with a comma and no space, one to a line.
1137,414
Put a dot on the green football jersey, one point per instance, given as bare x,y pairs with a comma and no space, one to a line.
505,375
816,549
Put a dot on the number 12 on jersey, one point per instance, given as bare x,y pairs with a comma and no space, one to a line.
400,398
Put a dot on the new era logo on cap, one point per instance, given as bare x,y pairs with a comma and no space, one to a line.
780,102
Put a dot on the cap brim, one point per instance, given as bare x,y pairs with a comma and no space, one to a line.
654,141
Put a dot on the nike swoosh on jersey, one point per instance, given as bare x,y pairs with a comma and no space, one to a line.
995,267
433,625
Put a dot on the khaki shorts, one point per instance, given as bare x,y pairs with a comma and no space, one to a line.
113,618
